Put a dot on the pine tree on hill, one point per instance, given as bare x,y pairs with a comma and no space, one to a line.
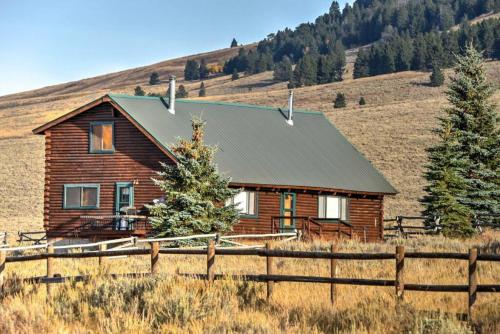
192,70
361,65
306,72
437,77
234,43
138,91
154,79
181,92
194,191
340,101
474,119
235,75
202,92
446,185
203,71
283,70
362,101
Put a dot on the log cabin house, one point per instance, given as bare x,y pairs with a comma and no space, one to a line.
295,169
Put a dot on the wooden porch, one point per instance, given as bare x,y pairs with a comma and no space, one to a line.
312,227
114,226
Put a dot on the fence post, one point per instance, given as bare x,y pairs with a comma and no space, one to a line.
3,256
211,262
269,266
50,268
102,259
155,255
400,264
472,280
333,274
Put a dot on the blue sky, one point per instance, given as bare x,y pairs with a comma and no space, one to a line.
49,42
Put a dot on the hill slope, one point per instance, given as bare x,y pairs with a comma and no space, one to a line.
392,130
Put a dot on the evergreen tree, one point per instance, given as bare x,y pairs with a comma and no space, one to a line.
154,79
192,70
325,69
361,65
283,70
195,193
235,75
473,117
362,101
446,184
305,73
339,101
437,77
202,92
138,91
181,93
203,71
234,43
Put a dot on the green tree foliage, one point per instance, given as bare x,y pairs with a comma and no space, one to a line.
138,91
235,75
203,70
202,92
194,192
154,78
306,72
283,70
340,101
192,70
437,76
446,185
474,119
362,101
361,65
181,93
365,22
234,43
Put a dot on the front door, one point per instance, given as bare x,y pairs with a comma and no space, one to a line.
124,197
288,212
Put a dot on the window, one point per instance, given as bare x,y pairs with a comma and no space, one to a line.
246,203
81,196
332,207
102,137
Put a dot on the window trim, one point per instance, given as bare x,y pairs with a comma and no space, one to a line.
82,185
347,202
91,126
256,205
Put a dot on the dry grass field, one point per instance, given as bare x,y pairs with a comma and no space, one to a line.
171,304
392,130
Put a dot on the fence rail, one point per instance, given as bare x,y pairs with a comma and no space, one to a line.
270,277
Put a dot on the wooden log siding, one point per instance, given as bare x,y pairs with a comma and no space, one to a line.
68,161
365,214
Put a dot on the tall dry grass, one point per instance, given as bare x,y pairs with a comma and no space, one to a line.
171,304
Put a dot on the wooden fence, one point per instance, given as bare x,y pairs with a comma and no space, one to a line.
270,277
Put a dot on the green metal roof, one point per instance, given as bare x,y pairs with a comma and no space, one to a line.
257,146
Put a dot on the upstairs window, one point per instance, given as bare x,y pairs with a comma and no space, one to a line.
332,207
102,137
81,196
246,203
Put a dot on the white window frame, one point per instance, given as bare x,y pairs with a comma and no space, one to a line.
340,212
245,202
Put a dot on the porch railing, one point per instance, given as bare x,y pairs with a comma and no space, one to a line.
115,224
311,226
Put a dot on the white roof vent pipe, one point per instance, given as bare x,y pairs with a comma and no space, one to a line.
289,119
171,99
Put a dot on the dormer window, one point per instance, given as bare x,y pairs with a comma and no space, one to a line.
102,137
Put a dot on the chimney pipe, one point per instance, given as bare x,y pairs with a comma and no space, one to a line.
290,108
171,101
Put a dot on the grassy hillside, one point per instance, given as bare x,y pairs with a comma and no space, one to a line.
392,130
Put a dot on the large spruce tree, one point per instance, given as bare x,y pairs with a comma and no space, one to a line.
192,70
473,117
195,193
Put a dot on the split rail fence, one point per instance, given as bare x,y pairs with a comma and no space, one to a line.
211,251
